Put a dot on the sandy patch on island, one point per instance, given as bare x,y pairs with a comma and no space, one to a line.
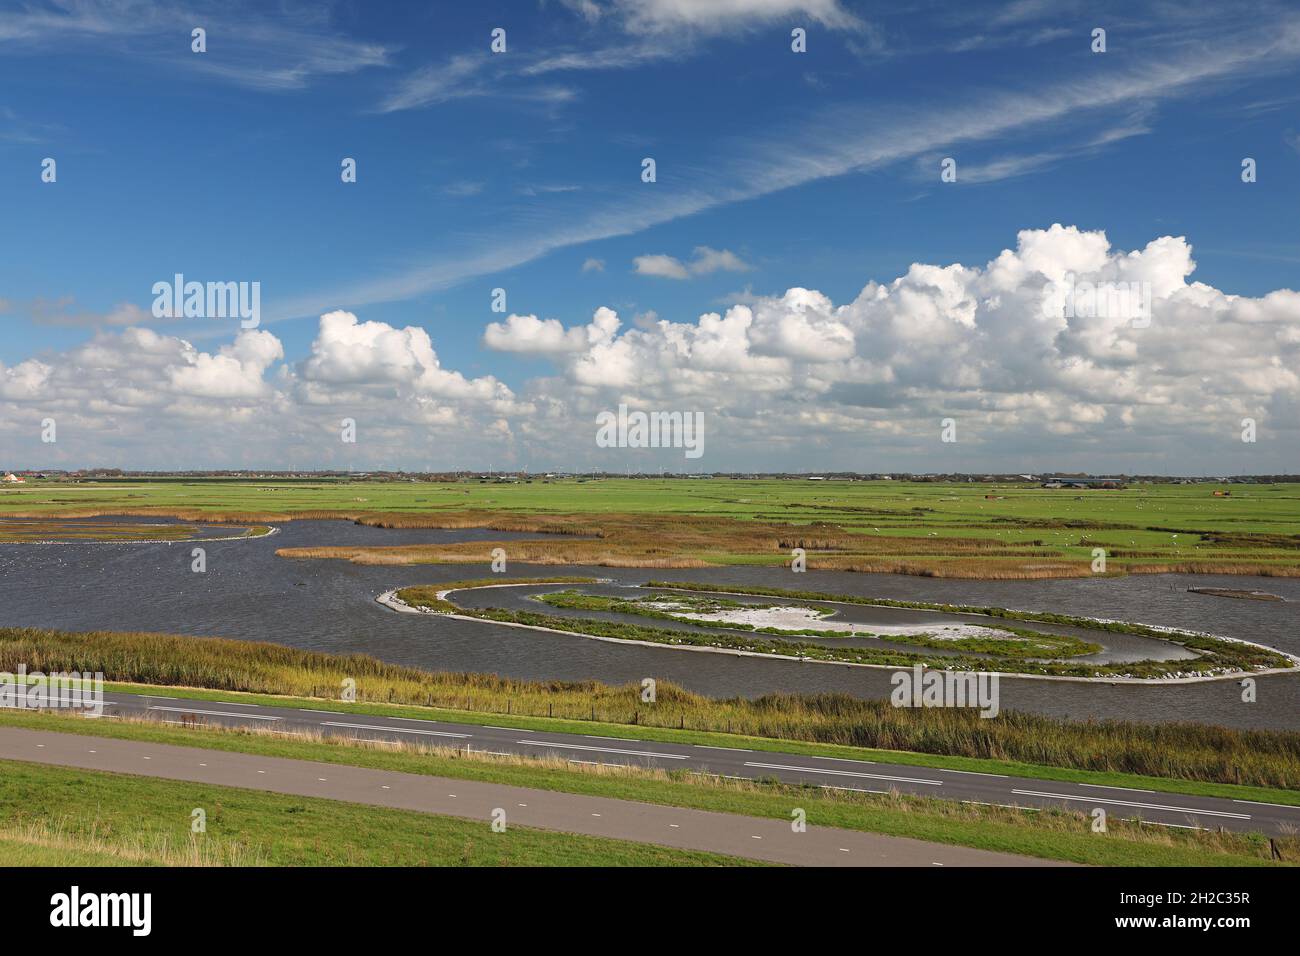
794,618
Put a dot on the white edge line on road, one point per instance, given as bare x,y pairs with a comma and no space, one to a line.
1102,786
1260,803
1157,823
843,773
54,701
973,773
608,750
719,776
1130,803
738,750
1004,806
214,713
389,730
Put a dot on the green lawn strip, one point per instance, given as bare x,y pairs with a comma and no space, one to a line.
1049,834
740,741
291,830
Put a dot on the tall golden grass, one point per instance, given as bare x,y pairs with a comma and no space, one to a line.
58,837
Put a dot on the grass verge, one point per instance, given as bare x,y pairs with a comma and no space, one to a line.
59,816
1052,834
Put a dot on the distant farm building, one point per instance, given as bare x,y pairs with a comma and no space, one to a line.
1107,483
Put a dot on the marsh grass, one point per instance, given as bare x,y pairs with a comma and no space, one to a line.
935,529
650,540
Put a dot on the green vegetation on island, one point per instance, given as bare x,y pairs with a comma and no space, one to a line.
1025,643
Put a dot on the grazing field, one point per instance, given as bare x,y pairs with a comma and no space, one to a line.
1191,752
973,530
56,816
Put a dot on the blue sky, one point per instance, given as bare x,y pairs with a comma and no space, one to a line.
816,170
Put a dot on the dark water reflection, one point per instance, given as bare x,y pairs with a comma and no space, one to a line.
247,592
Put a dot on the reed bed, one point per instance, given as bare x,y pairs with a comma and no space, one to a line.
689,525
622,540
1181,750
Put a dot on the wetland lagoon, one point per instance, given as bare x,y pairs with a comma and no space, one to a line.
249,592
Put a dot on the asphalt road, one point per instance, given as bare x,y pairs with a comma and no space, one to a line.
732,834
1152,807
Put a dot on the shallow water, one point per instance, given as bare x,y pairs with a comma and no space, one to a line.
248,592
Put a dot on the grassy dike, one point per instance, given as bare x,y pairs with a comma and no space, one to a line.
1187,758
1052,834
55,816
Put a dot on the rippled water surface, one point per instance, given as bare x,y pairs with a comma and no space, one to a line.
248,592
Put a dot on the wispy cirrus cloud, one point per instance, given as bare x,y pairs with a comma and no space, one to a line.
645,32
281,49
22,131
482,74
63,312
840,140
654,16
